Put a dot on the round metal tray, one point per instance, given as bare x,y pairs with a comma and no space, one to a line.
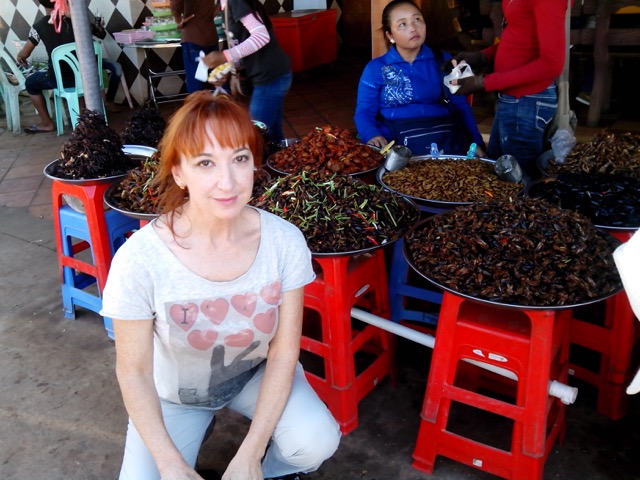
435,206
109,200
407,256
553,178
355,174
136,154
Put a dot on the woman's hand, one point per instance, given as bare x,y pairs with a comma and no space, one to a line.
220,80
469,85
243,469
180,473
378,141
213,59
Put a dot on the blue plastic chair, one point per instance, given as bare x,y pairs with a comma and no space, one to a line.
67,54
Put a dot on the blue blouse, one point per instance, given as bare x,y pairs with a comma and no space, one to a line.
393,88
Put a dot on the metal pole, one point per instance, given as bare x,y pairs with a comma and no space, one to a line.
565,393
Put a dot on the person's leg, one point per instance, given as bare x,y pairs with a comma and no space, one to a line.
35,84
267,104
115,70
186,426
190,52
306,435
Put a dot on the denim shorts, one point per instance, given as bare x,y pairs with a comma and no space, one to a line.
39,81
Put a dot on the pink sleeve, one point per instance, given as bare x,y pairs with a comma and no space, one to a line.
258,38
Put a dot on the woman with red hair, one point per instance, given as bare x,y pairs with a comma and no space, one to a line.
207,304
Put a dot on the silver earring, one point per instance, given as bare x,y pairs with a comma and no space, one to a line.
392,40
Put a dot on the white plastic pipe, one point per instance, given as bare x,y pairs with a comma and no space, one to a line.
565,393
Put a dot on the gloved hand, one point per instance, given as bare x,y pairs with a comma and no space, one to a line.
476,60
469,85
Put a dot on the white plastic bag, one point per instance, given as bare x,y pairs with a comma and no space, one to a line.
202,70
461,70
562,143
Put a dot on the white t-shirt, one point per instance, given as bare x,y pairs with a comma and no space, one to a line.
209,337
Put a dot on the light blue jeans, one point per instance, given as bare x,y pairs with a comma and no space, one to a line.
519,127
305,436
267,104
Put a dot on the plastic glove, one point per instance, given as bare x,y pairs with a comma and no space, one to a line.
476,60
469,85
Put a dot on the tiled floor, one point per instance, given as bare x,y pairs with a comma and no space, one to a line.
323,96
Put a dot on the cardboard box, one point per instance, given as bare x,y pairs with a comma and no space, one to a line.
308,36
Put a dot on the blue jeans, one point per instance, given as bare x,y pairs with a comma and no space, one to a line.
191,51
115,69
519,127
267,104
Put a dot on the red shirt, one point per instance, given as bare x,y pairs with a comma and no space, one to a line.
531,52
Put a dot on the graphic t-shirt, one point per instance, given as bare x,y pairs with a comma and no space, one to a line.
209,337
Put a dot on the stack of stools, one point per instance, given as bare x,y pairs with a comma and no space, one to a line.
95,232
531,344
342,283
614,340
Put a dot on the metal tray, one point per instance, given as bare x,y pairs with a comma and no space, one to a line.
356,174
407,256
136,154
435,206
410,204
610,228
109,195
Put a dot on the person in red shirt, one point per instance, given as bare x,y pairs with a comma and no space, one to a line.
522,68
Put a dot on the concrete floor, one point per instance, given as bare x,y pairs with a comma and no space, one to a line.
61,415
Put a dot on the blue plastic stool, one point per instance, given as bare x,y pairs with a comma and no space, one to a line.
74,226
400,289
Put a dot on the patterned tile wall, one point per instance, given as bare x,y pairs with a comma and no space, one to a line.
17,16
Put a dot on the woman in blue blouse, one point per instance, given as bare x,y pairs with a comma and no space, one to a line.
401,95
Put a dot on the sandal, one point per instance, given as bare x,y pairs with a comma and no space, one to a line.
35,129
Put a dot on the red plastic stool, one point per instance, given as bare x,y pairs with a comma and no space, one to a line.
533,345
92,197
614,339
341,283
96,231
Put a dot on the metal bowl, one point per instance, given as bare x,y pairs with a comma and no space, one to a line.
554,178
409,259
136,154
410,205
429,205
109,199
355,174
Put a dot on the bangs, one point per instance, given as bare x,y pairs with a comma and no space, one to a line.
202,116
